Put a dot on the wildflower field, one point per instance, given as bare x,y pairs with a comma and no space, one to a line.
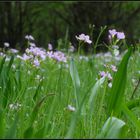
47,93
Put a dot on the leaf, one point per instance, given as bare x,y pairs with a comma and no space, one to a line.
131,117
118,88
38,90
12,131
39,133
75,80
133,103
94,92
2,124
29,131
2,64
112,128
74,74
10,64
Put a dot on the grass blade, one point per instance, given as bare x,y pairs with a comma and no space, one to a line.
2,124
2,64
117,92
112,128
75,80
94,92
12,131
131,117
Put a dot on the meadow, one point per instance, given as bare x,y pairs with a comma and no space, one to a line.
69,94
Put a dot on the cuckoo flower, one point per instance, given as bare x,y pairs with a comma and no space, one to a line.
85,38
50,47
112,32
120,35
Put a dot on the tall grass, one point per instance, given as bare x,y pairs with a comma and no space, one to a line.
35,101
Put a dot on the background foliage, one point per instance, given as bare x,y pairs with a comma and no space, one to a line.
49,21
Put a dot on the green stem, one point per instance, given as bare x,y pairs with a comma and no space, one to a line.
95,46
101,104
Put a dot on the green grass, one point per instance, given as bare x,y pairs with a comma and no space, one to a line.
45,93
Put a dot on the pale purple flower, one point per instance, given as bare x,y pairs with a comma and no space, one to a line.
6,44
112,32
50,54
50,47
105,74
120,35
36,62
85,38
24,57
113,68
102,74
59,56
37,52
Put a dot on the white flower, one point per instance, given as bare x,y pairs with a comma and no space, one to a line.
50,47
14,106
32,44
84,38
116,52
115,47
71,49
6,44
14,51
109,76
29,37
110,85
71,108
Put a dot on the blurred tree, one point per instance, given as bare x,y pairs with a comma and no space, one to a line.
49,21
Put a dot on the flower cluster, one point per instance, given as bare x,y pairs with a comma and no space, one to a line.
33,53
85,38
114,37
119,35
58,56
29,37
14,106
108,74
111,67
50,47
